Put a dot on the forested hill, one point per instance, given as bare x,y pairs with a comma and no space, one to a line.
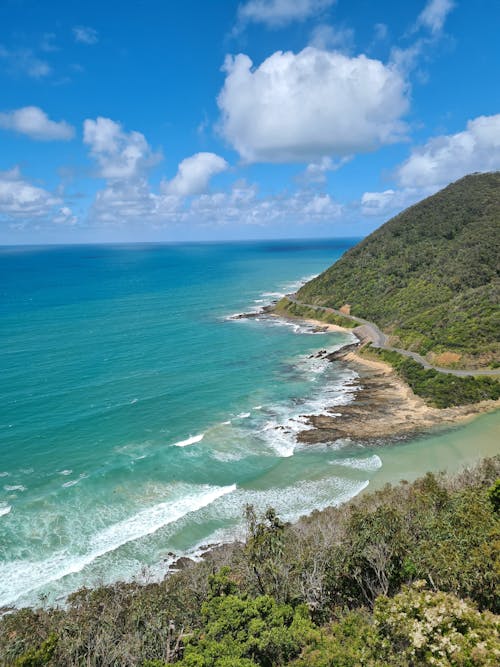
429,276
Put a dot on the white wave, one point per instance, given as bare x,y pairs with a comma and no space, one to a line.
242,317
72,482
369,464
20,578
65,472
281,430
268,297
243,415
298,327
288,287
5,509
15,487
291,502
275,295
189,441
4,474
226,423
258,407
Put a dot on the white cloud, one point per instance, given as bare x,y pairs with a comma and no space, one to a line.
123,202
241,205
301,107
128,199
194,174
85,35
316,171
24,61
277,13
444,159
438,162
120,155
65,217
35,123
434,15
331,37
22,201
380,32
430,20
389,202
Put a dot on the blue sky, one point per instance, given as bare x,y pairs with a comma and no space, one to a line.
196,120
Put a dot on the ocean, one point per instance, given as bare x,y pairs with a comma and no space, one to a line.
137,418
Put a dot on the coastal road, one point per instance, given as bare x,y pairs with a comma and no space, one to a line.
369,332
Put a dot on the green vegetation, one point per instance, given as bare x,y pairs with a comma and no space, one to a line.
291,309
438,389
429,276
408,575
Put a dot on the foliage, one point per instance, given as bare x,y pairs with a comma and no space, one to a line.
239,631
441,390
38,657
348,642
264,552
292,309
435,628
494,495
429,276
415,627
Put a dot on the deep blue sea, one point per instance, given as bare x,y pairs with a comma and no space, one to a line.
137,419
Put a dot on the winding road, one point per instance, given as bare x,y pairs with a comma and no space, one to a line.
369,332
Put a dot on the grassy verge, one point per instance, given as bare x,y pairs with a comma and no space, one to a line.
437,389
291,309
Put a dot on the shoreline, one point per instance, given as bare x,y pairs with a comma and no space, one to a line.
384,407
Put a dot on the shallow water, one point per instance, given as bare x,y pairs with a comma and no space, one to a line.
136,419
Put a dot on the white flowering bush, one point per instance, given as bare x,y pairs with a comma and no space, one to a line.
436,628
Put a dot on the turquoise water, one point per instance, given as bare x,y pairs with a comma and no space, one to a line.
137,418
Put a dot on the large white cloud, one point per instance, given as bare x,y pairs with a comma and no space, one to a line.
23,202
301,107
194,174
277,13
448,157
120,155
35,123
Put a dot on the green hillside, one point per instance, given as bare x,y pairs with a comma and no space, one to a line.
429,276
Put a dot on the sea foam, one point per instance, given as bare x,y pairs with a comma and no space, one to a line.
20,578
190,441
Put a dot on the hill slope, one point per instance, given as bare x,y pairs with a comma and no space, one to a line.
429,276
